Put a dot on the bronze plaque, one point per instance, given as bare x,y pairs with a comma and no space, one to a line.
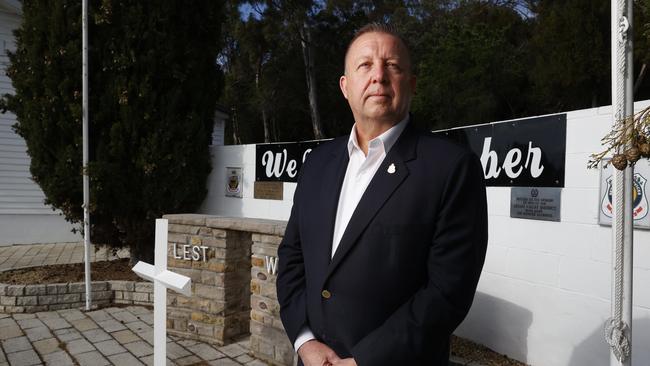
268,190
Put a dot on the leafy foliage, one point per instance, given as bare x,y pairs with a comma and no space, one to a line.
154,84
477,61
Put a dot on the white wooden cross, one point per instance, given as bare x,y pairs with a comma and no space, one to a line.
162,279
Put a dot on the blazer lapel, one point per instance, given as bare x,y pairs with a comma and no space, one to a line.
329,199
381,187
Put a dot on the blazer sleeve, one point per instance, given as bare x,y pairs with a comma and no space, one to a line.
454,265
291,273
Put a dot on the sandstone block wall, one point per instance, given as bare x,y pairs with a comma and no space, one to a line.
57,296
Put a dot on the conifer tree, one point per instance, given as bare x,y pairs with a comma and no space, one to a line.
154,82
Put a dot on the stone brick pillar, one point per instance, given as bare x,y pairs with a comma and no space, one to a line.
268,340
233,289
218,309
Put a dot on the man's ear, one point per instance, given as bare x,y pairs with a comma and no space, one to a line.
343,82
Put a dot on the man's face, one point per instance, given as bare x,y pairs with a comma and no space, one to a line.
378,82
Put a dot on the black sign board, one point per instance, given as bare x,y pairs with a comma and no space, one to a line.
521,153
281,162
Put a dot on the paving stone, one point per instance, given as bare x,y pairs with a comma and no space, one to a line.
125,336
174,351
148,336
110,347
48,315
256,363
139,348
125,359
72,314
36,334
16,344
147,318
78,346
56,323
112,310
24,316
125,317
30,323
148,360
23,358
45,346
67,334
92,358
205,351
60,358
224,362
84,324
187,342
189,360
10,331
98,315
138,326
5,322
111,325
136,310
233,350
244,358
96,335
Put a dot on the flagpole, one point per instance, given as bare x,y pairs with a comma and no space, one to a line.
86,184
618,329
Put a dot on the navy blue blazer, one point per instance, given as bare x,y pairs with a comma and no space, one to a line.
406,269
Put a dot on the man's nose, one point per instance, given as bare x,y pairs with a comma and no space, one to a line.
379,74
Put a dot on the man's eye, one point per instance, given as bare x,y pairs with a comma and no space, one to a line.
364,65
393,65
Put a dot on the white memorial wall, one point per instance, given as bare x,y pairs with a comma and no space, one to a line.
545,289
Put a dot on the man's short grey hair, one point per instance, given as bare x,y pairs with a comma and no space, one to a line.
378,27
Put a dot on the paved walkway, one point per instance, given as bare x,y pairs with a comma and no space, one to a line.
20,256
110,336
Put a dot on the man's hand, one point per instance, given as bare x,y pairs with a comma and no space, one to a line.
315,353
345,362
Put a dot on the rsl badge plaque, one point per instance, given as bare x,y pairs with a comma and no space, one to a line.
639,195
234,182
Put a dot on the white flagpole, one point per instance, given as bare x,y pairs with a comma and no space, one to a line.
618,329
86,194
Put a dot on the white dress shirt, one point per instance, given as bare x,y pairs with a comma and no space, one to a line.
360,171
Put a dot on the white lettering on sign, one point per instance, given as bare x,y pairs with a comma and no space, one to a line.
277,164
512,162
189,252
271,264
304,155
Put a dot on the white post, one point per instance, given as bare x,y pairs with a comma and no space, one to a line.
160,295
84,111
618,330
162,279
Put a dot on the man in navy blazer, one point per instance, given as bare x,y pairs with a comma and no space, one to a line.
387,235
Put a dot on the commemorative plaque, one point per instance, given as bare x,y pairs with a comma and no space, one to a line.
268,190
535,203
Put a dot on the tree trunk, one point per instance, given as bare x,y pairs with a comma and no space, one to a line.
236,138
310,73
265,121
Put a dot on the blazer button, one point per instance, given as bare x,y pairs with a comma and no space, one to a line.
326,294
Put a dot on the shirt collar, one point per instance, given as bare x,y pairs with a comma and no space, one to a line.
387,139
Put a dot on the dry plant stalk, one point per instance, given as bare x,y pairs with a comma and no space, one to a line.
633,131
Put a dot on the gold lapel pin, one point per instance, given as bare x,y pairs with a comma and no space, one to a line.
391,168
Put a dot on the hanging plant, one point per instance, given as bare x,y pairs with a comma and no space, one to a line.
635,137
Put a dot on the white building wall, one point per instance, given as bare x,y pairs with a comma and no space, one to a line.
544,294
24,218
